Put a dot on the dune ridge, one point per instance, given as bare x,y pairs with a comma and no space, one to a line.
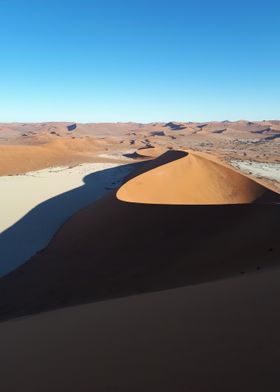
115,248
192,179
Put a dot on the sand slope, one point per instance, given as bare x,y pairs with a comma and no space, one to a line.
218,332
114,248
70,143
220,336
191,180
44,153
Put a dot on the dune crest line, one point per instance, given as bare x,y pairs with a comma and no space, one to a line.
191,179
114,248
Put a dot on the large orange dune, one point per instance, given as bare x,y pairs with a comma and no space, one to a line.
191,179
116,248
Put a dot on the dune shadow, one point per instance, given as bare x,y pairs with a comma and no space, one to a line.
34,231
115,248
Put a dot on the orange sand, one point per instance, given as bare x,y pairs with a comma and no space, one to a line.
191,180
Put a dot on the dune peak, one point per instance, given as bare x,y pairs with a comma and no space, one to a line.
190,180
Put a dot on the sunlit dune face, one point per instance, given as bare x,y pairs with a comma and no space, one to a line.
191,180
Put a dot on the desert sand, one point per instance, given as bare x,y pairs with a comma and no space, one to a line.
34,205
191,180
168,282
219,336
181,244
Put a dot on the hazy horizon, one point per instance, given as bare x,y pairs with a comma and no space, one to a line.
138,122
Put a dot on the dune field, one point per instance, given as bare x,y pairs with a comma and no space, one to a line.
139,196
140,257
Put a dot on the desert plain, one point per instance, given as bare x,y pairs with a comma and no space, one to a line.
140,257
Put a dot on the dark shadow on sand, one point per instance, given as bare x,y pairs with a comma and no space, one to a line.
113,249
34,231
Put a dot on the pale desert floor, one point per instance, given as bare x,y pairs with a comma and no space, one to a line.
269,171
34,205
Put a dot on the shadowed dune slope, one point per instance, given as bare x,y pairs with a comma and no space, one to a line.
221,336
193,180
114,248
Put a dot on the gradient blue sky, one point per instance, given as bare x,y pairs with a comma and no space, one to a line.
92,61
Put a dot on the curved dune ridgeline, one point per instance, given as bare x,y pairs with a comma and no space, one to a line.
114,248
192,179
151,152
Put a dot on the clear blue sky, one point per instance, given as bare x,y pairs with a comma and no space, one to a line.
146,60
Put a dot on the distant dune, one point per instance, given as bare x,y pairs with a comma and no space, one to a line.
22,158
25,146
33,206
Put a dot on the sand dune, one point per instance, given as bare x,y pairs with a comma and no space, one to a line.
25,147
115,248
192,179
44,153
201,282
220,336
152,152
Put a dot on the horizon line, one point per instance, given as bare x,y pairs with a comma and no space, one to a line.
135,122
